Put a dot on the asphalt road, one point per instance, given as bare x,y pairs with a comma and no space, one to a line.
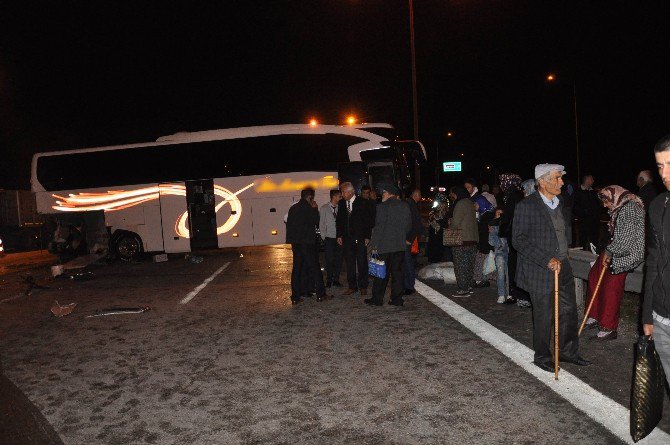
238,364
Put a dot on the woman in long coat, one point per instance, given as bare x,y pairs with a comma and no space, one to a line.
624,253
465,220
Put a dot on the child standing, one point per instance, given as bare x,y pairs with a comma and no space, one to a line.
501,250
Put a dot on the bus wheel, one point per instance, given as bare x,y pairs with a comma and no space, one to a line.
128,247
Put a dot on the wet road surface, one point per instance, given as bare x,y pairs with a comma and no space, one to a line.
239,364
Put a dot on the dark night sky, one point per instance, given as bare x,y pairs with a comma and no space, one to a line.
101,73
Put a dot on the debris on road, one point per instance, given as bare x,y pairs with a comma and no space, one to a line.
33,285
82,276
62,310
438,271
119,311
160,258
30,280
15,297
195,259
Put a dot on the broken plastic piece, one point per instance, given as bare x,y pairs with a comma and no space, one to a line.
120,311
62,310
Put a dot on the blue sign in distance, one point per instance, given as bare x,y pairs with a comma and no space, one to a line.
455,166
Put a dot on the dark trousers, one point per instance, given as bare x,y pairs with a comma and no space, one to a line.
394,262
356,257
333,259
408,269
306,273
435,248
588,232
543,319
514,290
464,265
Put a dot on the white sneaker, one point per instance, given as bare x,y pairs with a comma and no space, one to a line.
501,300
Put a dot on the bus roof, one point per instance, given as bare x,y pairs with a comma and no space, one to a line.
242,132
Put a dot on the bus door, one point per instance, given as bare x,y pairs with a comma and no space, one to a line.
201,214
174,218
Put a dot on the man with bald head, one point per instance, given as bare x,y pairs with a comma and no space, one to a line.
540,236
646,189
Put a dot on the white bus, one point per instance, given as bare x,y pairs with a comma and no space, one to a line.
218,188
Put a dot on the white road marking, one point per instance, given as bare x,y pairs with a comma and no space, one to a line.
596,405
195,291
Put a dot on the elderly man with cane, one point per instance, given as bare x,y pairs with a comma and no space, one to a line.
540,237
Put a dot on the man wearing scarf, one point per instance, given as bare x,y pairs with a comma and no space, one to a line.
540,237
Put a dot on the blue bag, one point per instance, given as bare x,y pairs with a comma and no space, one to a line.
377,267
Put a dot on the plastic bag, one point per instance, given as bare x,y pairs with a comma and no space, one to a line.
489,264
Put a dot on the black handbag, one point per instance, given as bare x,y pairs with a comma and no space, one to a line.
648,392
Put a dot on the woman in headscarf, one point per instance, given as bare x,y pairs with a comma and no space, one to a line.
510,184
624,253
485,210
437,221
528,187
465,220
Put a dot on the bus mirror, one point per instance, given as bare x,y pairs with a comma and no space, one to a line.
354,172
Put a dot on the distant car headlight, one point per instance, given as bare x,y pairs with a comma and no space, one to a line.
435,204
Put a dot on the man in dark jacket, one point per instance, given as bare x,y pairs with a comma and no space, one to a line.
389,240
656,304
301,224
355,220
646,189
510,184
587,208
417,227
540,237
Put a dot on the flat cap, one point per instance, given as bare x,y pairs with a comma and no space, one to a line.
389,188
543,169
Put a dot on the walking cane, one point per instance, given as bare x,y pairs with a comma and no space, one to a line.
593,298
556,324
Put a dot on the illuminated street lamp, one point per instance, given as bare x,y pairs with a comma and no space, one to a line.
551,78
449,134
351,120
313,122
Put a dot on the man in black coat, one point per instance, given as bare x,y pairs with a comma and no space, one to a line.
646,190
408,265
355,220
301,224
587,208
656,304
540,237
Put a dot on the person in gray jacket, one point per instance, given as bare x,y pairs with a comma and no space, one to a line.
393,224
328,230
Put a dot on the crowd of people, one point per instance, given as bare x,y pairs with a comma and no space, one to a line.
516,235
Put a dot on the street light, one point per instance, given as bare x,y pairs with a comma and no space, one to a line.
449,134
551,78
351,120
313,122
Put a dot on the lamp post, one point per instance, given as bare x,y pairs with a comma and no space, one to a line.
417,168
552,78
413,53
